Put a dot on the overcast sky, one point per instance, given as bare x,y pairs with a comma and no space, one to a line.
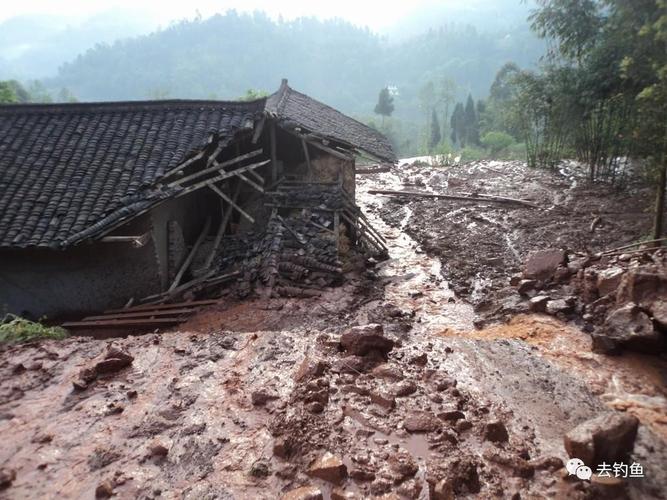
377,14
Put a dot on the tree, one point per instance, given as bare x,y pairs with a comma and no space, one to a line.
457,123
435,132
385,105
496,141
470,122
253,94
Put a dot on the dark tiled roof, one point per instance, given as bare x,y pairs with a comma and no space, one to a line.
294,109
69,171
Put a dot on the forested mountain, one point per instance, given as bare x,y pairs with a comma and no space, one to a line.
346,66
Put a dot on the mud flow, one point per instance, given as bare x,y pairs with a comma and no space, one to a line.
420,377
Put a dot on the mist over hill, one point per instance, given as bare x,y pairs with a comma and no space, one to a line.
341,64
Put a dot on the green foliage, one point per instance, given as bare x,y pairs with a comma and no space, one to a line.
22,330
385,104
471,123
253,94
496,141
458,125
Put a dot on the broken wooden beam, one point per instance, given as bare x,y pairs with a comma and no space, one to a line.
188,260
222,195
146,313
478,198
226,215
215,168
175,305
378,170
221,177
150,322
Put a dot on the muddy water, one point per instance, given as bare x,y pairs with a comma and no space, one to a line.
416,278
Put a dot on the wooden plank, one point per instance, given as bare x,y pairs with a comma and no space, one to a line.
366,171
185,164
258,130
221,230
122,323
175,305
186,264
222,195
216,167
257,176
221,177
141,314
214,154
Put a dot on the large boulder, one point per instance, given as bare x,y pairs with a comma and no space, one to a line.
542,265
642,287
361,340
609,438
328,467
628,326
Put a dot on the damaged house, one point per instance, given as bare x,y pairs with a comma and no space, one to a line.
102,204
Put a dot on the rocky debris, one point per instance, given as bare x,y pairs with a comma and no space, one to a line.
404,389
387,371
609,437
542,265
451,415
283,446
341,494
381,398
628,326
112,361
519,466
421,421
524,287
402,465
310,368
420,360
559,306
547,463
304,493
328,467
539,303
362,340
7,477
496,432
453,478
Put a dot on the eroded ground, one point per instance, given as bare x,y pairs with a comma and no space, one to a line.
246,397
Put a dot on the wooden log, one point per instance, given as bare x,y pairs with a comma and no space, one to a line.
216,167
251,183
274,156
147,313
366,171
231,202
184,164
188,260
304,144
417,194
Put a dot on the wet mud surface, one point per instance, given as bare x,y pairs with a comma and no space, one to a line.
257,399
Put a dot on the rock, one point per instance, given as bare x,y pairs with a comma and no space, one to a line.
608,487
539,303
609,438
387,371
515,279
451,415
315,407
361,340
304,493
7,477
115,359
641,287
261,397
608,280
463,425
383,399
496,432
547,463
404,389
443,490
526,286
362,474
310,368
402,465
420,360
283,447
329,468
158,450
558,306
520,466
260,469
104,490
542,264
350,364
658,310
628,326
421,422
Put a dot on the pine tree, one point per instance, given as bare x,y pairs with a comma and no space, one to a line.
385,105
458,125
471,123
435,132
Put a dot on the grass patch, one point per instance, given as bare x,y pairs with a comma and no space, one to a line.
15,329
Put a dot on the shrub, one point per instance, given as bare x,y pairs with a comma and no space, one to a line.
497,141
22,330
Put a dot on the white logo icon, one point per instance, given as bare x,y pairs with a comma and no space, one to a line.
575,466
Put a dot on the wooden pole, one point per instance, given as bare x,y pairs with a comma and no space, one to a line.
274,156
191,255
658,216
223,227
307,155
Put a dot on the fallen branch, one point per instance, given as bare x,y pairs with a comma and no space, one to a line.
489,198
636,244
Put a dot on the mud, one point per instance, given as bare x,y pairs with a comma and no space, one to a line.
244,399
